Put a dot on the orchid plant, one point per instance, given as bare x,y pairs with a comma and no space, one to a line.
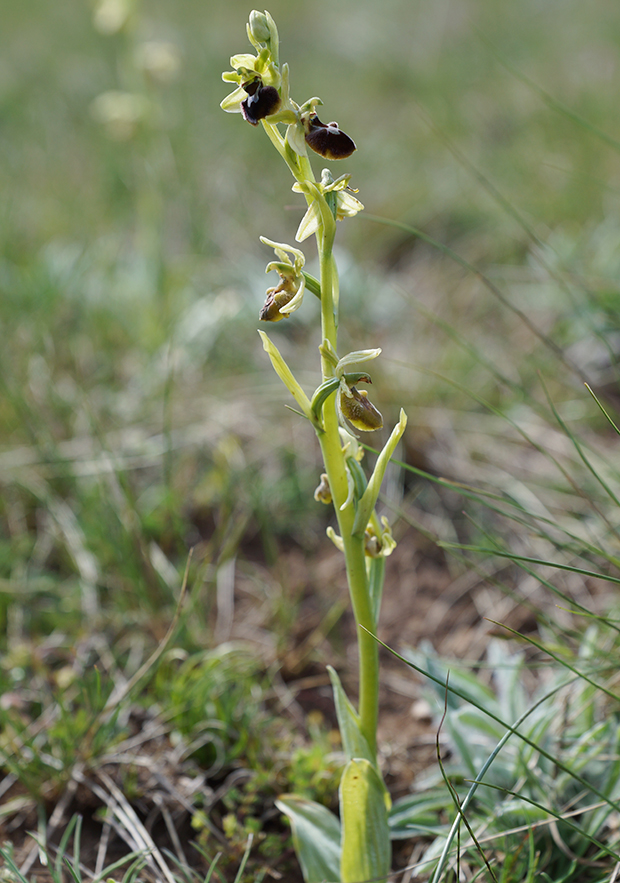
357,845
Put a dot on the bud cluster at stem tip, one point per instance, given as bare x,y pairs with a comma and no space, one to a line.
262,93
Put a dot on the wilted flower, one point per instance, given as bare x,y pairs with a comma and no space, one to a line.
345,204
355,410
379,543
323,492
286,297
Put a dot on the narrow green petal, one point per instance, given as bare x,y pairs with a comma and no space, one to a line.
282,247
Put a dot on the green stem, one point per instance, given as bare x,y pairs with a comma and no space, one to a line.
299,165
355,558
333,458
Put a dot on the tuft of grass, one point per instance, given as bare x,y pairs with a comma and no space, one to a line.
544,765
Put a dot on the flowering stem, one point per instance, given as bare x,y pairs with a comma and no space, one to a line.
262,95
325,203
333,458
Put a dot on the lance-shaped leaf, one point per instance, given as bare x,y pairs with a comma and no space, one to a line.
353,740
371,494
286,376
366,851
316,836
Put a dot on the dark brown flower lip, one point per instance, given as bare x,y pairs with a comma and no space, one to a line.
327,139
261,101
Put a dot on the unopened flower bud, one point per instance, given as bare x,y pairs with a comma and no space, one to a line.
261,102
259,27
327,139
288,294
323,492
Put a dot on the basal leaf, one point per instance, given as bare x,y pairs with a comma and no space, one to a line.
366,849
316,835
